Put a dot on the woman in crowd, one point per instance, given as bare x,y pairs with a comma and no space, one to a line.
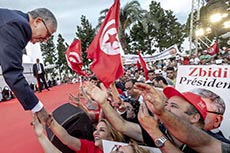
104,131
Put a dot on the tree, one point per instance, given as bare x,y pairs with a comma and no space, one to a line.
61,62
158,28
129,14
48,50
170,31
140,33
86,33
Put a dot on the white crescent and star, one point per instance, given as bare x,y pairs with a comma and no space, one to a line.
109,41
73,58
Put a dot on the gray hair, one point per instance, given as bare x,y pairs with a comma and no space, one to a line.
45,14
216,100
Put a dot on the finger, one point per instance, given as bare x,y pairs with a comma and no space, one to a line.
145,109
103,87
140,113
34,120
87,87
142,86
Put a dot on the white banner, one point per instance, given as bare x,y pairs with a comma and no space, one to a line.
212,77
168,53
109,145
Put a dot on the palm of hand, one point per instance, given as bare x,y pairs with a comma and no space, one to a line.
154,101
98,94
145,119
38,129
148,122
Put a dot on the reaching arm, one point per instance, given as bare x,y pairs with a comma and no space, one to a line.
150,124
13,39
63,135
191,135
47,146
76,100
182,130
100,95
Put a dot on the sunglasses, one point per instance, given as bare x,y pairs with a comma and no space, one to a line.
48,32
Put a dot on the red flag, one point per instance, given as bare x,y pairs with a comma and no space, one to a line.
138,65
213,49
105,49
73,57
144,66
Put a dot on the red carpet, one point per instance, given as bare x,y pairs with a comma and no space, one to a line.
16,133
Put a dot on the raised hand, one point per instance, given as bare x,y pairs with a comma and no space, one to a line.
42,116
98,94
74,99
152,97
145,119
38,128
77,102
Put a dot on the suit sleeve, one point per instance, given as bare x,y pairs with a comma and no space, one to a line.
43,70
13,38
34,70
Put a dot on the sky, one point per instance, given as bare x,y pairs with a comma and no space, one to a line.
69,12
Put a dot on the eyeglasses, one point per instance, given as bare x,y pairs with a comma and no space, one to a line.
48,32
215,112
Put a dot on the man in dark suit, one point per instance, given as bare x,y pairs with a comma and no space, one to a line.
16,30
39,73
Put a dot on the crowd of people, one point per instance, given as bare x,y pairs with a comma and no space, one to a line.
133,110
133,107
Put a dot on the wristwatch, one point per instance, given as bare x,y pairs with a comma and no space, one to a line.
159,142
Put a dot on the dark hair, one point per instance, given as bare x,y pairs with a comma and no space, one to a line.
170,69
151,71
131,80
161,78
134,103
93,78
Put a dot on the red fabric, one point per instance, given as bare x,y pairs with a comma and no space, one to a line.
88,147
73,57
138,65
186,61
192,98
17,135
120,91
213,49
105,49
144,66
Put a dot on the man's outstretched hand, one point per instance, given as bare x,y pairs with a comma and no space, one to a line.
42,116
152,98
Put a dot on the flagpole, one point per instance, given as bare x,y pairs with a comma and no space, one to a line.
80,81
203,42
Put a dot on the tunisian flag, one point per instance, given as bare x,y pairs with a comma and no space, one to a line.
144,66
73,57
138,65
105,49
213,49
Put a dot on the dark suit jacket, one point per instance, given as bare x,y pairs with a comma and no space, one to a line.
15,33
35,69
